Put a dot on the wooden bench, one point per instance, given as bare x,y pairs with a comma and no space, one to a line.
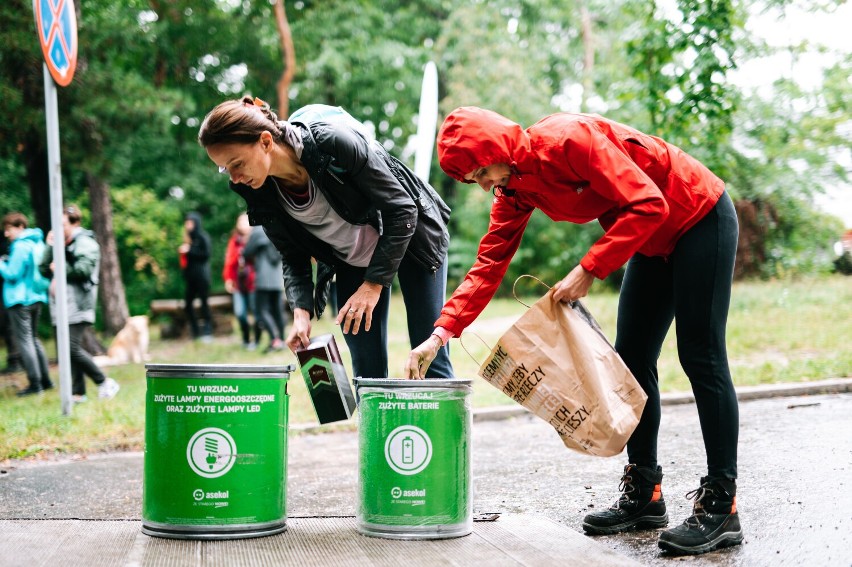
174,323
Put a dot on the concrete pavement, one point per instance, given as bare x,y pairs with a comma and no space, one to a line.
794,497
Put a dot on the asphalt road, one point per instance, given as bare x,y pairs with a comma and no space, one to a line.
794,490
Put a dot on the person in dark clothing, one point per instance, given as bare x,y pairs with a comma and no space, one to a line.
83,260
269,286
322,191
197,275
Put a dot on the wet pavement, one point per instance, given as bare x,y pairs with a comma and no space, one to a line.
794,490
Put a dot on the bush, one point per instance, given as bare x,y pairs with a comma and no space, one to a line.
147,234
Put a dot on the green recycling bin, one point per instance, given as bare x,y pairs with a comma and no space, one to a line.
414,461
215,451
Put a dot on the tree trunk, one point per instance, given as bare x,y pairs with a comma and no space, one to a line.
283,85
111,290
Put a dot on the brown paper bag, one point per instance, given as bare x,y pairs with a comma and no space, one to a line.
557,363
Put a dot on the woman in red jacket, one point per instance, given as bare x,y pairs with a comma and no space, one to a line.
665,215
238,275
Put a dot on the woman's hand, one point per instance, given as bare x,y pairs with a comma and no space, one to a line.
573,286
421,358
359,308
300,332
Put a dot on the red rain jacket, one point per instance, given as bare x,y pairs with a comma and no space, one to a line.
644,192
236,268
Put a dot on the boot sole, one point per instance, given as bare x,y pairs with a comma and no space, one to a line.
641,523
728,539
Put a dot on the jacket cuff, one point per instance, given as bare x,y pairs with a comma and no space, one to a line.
589,264
443,334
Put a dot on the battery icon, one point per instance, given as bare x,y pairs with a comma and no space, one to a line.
407,451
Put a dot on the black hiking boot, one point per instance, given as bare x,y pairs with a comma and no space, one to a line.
641,505
714,522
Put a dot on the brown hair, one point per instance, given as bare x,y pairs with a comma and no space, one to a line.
15,219
238,122
73,213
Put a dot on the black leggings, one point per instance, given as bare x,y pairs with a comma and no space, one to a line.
200,288
693,286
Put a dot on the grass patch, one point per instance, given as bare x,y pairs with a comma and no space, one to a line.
781,331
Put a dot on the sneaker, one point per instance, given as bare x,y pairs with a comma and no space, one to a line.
641,505
714,522
250,346
46,385
32,390
206,339
275,346
79,398
108,389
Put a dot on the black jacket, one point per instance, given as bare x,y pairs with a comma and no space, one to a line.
198,257
365,185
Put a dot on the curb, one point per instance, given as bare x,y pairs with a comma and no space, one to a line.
744,393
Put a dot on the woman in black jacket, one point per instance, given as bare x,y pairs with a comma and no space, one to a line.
196,247
322,191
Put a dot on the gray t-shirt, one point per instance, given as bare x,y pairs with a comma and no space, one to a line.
352,243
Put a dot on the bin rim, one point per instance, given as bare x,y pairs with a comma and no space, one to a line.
416,384
221,368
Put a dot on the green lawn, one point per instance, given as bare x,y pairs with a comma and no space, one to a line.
778,332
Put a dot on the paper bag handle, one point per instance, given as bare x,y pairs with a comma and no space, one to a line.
576,305
514,285
461,342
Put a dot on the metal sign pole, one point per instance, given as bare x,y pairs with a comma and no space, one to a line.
60,287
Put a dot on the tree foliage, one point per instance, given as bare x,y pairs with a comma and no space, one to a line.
149,70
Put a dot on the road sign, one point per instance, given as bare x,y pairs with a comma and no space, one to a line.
56,24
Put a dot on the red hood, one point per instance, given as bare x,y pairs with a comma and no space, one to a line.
472,137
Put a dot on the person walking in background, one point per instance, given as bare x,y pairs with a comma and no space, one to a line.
196,248
83,259
269,284
670,219
239,277
13,356
23,299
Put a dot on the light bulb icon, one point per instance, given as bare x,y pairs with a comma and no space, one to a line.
211,452
212,447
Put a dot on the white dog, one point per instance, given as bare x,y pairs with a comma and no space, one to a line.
131,342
